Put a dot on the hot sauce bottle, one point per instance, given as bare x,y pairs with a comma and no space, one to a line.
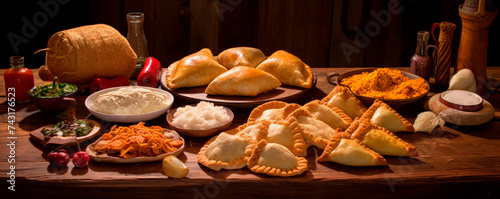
420,63
18,80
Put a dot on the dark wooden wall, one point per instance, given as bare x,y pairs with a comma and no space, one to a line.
317,31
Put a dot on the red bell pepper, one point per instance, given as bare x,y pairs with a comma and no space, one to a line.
102,83
151,73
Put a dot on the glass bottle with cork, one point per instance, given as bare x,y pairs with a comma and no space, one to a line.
421,63
137,40
18,80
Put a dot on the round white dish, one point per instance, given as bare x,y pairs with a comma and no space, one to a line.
89,102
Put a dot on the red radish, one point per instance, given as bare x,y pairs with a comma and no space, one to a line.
58,158
81,159
50,157
62,150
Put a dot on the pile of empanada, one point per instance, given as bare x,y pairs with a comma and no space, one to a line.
240,71
277,135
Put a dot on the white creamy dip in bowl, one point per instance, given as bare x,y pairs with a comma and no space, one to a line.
129,104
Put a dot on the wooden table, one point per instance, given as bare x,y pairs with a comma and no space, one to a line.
455,162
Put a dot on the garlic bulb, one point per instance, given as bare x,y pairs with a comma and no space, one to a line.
463,80
427,121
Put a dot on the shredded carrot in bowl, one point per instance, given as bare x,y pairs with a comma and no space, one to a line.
136,140
385,83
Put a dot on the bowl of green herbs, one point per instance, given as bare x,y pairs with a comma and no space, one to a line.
49,96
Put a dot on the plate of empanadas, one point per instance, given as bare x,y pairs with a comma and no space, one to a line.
238,77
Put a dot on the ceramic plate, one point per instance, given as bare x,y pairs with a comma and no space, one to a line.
195,94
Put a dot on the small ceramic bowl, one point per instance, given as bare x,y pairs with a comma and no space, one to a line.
200,133
54,104
462,100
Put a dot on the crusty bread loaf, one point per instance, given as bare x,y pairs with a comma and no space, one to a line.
79,55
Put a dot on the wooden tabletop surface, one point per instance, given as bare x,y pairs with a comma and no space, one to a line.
456,161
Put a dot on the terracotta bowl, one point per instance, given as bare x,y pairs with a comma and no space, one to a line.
475,105
54,104
200,133
394,103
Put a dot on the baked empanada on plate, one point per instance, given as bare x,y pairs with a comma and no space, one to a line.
329,114
383,115
197,69
226,151
288,68
275,160
342,98
242,81
241,56
350,152
314,131
380,140
272,111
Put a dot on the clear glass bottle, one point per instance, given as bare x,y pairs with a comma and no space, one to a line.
420,63
18,80
137,40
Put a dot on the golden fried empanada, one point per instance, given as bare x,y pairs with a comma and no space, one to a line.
329,114
289,109
226,151
241,56
197,69
288,68
275,160
272,111
314,131
257,130
242,81
279,132
288,135
342,98
380,140
350,152
383,115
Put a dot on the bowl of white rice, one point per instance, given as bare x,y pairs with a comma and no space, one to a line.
200,120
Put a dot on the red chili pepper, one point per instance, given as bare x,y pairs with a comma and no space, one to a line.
151,73
102,83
